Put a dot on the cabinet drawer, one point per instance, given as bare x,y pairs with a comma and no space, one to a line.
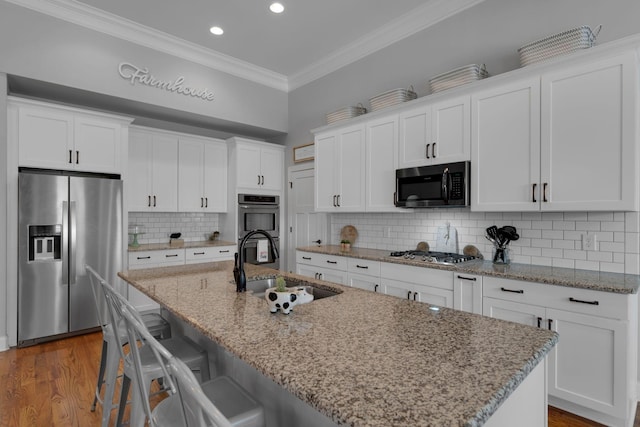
217,253
148,259
322,260
577,300
419,275
363,266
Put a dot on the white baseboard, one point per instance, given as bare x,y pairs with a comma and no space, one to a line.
4,343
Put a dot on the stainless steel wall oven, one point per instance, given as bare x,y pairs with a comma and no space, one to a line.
259,212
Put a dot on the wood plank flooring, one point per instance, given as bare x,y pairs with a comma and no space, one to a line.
52,384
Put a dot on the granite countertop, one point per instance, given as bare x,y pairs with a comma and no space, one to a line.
586,279
167,245
360,358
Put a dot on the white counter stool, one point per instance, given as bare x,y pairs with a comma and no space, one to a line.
182,347
110,356
220,402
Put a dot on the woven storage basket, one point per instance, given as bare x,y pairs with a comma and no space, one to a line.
558,44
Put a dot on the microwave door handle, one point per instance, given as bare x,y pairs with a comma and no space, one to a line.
445,185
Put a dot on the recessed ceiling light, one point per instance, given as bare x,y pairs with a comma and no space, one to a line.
276,8
216,30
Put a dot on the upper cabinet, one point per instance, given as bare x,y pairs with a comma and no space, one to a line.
258,165
54,137
340,170
152,181
435,133
505,155
202,175
562,141
381,152
589,136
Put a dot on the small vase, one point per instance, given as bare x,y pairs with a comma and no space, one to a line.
345,247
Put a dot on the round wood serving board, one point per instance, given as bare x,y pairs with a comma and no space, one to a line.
349,233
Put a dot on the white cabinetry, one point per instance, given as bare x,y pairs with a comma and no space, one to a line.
505,149
258,165
363,274
418,283
54,137
340,170
152,180
436,133
558,142
202,175
151,259
323,267
209,254
592,370
467,292
589,136
381,163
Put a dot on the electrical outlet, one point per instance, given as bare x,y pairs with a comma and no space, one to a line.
589,242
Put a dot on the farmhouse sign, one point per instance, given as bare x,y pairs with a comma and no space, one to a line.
139,75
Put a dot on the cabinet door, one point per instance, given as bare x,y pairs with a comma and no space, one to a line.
215,176
165,173
140,165
97,144
467,293
45,138
525,314
588,365
399,289
414,135
362,281
381,154
325,172
190,175
330,275
271,169
505,151
351,176
435,296
589,118
451,130
307,270
248,166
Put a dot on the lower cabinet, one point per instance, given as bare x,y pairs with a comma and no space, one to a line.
467,292
363,274
418,283
171,258
323,267
592,369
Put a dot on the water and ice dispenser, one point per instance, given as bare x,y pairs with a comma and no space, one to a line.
45,242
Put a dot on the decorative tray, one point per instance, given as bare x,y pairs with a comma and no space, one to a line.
457,77
392,97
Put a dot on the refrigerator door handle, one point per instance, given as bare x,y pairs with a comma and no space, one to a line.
73,240
65,243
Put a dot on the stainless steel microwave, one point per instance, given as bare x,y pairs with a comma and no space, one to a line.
445,185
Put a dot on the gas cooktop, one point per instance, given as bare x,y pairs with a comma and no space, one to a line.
433,257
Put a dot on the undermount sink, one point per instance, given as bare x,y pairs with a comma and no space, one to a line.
257,288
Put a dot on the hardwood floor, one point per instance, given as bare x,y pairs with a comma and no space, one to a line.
52,385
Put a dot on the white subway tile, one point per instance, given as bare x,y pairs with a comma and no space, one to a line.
588,225
575,216
632,243
552,216
611,267
600,216
542,225
532,251
541,243
575,254
541,261
611,246
632,221
565,263
632,264
612,226
532,216
563,244
534,234
564,225
600,256
553,234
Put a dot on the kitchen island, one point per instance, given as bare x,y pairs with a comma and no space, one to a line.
361,358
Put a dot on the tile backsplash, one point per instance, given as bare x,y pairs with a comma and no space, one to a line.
157,226
546,238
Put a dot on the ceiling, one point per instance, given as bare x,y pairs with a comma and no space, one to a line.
311,38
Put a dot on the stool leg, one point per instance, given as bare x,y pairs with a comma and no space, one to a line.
103,361
124,392
111,374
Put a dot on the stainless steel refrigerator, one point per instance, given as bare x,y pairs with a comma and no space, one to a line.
65,221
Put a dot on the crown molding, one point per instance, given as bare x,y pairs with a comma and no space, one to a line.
416,20
432,12
116,26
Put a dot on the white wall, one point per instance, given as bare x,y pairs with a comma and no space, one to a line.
3,212
37,46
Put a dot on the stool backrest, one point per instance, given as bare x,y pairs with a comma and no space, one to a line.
98,295
198,409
